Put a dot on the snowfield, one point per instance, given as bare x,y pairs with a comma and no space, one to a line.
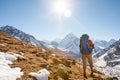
6,72
40,75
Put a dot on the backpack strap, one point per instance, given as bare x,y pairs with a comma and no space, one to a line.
80,44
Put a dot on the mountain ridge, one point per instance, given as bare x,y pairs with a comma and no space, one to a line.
70,42
21,35
110,58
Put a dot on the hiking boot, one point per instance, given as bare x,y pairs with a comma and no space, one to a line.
91,74
85,76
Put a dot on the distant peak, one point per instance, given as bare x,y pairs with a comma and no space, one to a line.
71,34
112,40
7,27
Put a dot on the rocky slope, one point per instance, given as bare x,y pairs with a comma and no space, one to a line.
34,59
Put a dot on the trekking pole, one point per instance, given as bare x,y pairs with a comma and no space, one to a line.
79,66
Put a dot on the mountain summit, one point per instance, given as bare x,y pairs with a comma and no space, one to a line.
70,35
71,43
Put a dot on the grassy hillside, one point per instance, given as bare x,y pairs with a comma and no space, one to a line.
35,59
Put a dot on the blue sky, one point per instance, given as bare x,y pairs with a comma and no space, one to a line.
98,18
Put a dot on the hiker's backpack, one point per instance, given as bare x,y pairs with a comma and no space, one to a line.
86,45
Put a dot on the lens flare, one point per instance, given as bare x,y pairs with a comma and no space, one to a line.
61,8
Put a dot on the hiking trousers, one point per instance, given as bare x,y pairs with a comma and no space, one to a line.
86,57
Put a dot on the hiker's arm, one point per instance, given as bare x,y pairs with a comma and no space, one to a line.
91,43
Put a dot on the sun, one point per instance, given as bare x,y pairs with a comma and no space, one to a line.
62,8
68,13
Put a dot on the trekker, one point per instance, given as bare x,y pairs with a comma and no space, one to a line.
86,47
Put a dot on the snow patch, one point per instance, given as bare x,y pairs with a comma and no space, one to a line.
50,47
22,54
17,37
40,75
62,49
6,72
8,56
53,55
43,50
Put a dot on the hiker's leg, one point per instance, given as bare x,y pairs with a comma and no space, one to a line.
90,62
84,63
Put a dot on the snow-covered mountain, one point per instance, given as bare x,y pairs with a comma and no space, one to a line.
112,41
102,44
102,52
110,53
71,43
21,35
109,60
